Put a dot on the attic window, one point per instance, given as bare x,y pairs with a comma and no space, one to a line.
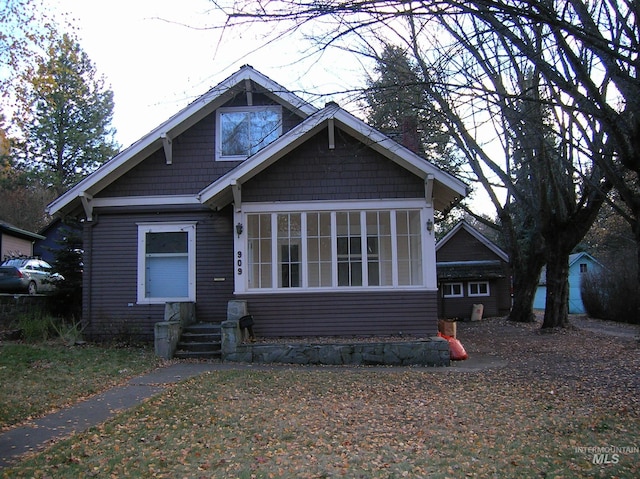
242,131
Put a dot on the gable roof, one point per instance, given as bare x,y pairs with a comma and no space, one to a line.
446,188
463,225
575,257
245,78
443,187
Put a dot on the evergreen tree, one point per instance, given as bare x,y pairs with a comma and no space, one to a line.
399,107
65,116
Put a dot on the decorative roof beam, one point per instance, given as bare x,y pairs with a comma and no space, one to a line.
249,90
332,134
167,143
428,189
237,195
86,199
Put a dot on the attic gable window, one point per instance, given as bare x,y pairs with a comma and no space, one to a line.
242,131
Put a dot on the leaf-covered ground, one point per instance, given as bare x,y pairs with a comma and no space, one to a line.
564,405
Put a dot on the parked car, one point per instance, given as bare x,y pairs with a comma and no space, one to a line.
27,275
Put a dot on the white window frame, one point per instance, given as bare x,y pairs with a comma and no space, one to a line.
170,227
427,259
478,283
453,295
247,109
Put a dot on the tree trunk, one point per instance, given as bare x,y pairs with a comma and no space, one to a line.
524,291
556,311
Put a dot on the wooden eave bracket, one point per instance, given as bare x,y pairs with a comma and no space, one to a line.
332,133
237,195
428,189
86,198
168,149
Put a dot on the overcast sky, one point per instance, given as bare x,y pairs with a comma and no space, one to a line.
158,55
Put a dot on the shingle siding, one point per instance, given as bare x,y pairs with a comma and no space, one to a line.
313,172
193,167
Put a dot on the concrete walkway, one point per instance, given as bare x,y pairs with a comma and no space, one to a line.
39,433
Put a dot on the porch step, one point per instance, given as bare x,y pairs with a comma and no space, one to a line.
200,341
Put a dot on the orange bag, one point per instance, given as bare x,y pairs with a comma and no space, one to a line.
456,349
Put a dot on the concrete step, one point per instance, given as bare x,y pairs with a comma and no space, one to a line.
200,340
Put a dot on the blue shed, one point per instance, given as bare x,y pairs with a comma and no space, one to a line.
579,264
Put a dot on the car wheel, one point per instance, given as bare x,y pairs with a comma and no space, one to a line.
33,288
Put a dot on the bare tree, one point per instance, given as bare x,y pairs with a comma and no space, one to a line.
475,57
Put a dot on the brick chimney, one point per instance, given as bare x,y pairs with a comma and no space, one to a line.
409,134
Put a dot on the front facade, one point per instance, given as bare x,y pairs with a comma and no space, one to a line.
472,270
312,217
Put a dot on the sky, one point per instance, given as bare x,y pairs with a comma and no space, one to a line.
159,55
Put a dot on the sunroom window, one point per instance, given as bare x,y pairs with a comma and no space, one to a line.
166,262
339,249
242,131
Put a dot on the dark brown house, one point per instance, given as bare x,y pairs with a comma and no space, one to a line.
314,218
471,270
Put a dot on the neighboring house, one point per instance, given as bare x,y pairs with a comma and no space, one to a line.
321,223
15,241
579,265
471,270
52,235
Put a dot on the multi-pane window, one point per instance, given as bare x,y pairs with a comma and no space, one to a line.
379,248
409,247
480,288
339,249
260,251
319,258
289,251
242,131
166,262
452,290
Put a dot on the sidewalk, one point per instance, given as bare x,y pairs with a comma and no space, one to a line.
99,408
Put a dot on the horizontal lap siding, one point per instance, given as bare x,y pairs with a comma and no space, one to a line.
346,314
110,282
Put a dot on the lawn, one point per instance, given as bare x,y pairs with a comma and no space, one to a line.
41,377
565,405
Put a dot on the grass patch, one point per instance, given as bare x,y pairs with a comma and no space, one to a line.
39,377
352,423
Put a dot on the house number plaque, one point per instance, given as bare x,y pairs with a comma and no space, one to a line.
239,262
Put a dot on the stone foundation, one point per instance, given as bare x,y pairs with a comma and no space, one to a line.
430,352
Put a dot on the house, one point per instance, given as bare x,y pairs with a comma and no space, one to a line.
320,222
15,241
52,236
579,265
471,270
